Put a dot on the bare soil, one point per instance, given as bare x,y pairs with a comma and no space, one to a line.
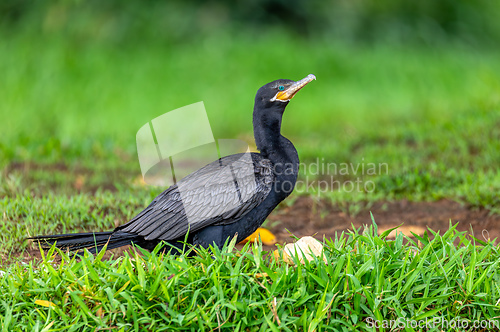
321,219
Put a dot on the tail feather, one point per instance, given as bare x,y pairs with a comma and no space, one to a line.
93,242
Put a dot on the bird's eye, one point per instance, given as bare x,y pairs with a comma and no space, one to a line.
281,88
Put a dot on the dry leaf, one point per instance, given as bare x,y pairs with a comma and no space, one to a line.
44,303
266,236
139,181
79,182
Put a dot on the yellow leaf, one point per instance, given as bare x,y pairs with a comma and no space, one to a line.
46,328
46,304
123,288
266,236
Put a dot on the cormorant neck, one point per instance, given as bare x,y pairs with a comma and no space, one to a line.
267,128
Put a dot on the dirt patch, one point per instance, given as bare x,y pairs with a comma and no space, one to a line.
318,218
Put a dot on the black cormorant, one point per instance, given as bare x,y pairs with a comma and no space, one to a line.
232,195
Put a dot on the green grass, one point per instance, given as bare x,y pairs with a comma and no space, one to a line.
366,277
85,100
421,110
25,215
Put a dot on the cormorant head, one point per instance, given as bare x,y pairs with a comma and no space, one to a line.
278,93
270,103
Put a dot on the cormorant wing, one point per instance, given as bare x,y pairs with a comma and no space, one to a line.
218,193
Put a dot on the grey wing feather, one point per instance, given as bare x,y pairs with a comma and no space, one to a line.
218,193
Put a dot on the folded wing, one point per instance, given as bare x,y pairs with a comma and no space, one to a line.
218,193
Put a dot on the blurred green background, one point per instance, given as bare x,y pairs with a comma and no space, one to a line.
412,84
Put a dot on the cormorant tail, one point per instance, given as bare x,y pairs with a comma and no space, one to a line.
93,242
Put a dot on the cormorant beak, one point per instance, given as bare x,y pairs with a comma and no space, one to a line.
288,94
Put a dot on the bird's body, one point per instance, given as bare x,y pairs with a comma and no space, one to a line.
230,196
